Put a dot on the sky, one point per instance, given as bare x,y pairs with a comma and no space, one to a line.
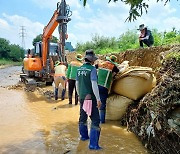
98,17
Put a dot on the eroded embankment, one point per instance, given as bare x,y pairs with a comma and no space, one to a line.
155,119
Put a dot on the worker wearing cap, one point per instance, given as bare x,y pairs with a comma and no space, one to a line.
87,88
145,37
59,77
71,76
106,70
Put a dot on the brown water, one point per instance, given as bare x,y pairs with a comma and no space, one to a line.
30,123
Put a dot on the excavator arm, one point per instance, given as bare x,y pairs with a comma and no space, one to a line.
47,34
61,17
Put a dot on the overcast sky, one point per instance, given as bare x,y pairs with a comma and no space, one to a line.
98,17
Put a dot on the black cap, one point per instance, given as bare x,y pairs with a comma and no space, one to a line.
90,55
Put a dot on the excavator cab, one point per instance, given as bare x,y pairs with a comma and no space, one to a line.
38,49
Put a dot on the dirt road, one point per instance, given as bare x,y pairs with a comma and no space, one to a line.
33,123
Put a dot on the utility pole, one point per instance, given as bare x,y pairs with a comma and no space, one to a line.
22,35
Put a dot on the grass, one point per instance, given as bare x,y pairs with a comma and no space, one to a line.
174,54
6,63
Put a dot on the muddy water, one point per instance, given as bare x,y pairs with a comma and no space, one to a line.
32,123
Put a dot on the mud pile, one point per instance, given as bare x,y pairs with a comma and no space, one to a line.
147,57
156,118
18,86
49,94
71,56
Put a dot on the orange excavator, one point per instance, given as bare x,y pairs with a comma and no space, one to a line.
39,66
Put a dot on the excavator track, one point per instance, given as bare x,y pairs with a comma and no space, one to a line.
31,81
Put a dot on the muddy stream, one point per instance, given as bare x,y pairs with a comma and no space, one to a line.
31,123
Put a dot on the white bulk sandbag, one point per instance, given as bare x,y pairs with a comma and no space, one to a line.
116,106
123,66
134,83
60,90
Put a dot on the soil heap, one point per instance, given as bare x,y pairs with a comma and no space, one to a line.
155,119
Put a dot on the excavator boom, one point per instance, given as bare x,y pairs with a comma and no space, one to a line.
47,34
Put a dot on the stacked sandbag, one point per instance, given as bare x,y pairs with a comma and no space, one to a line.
134,82
123,66
116,106
60,90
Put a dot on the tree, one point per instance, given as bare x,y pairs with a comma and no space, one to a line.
10,51
16,52
128,40
172,37
158,37
4,48
100,44
136,7
39,38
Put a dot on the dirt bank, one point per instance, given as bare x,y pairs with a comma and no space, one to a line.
147,57
155,119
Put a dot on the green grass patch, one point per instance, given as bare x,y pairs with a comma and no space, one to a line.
6,62
174,54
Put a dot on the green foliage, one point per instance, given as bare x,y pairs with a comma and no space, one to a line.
6,62
158,37
103,42
54,39
171,37
127,40
174,55
106,51
82,47
99,44
137,7
16,52
10,51
4,48
38,38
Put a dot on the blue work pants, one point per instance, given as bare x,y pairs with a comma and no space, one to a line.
103,92
95,120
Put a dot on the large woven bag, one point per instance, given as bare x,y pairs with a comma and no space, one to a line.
135,82
116,106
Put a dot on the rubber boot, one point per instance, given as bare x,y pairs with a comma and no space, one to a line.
94,139
56,93
102,116
63,94
83,132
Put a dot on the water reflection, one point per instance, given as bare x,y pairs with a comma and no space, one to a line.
42,125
